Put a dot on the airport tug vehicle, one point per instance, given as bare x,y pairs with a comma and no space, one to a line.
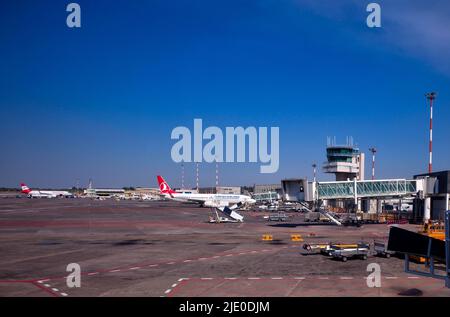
316,248
380,249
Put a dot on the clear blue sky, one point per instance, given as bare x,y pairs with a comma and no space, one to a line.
101,101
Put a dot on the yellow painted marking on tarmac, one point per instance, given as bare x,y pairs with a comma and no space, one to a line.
296,238
267,237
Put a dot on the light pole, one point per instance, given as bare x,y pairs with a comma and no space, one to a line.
431,96
314,171
182,175
217,175
373,150
196,177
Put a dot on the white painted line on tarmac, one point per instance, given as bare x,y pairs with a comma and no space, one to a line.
186,261
168,291
42,281
276,278
346,278
153,265
391,277
93,273
54,289
113,271
174,285
135,268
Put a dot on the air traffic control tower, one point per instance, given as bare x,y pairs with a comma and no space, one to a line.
345,161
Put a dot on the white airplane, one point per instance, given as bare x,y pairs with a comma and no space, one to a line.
44,193
205,200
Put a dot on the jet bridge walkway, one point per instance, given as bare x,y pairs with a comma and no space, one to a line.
367,188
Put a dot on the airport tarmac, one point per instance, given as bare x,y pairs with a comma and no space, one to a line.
165,248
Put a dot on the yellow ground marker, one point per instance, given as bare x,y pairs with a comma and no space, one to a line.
296,237
267,237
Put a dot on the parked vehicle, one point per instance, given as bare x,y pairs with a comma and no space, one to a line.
380,249
344,253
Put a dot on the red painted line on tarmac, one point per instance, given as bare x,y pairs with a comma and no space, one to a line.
146,264
18,281
87,224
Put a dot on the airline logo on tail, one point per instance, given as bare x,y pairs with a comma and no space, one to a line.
164,188
25,188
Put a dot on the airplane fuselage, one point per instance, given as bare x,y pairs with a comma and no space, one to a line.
210,199
48,194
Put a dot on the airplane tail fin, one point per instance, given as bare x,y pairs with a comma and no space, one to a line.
25,188
164,188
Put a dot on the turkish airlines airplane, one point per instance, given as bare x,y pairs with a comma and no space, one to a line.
205,200
44,193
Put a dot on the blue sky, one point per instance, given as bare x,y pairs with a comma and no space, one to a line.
100,102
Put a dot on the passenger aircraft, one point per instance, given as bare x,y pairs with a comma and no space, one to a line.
205,200
44,193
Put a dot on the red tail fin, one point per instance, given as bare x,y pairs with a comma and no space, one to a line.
164,188
25,188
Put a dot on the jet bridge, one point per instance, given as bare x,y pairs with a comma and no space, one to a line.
367,188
